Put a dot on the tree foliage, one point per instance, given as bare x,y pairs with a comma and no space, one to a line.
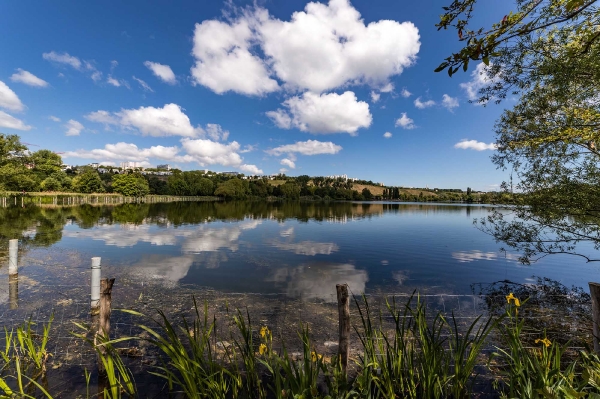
130,185
547,52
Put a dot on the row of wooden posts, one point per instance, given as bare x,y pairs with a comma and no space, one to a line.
101,290
94,199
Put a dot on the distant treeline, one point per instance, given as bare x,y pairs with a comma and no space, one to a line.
42,170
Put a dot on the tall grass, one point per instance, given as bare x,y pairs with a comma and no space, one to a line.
402,351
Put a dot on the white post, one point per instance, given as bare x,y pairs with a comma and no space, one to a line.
95,302
13,257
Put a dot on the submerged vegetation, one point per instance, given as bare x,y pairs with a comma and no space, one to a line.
404,352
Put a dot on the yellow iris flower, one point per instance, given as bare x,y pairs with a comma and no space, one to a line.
315,356
264,331
512,297
262,349
544,341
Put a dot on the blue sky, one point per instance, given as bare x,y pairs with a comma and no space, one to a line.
257,87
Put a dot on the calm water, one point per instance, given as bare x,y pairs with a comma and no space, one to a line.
302,250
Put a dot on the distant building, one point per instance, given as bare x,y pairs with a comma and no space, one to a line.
164,167
230,173
95,165
128,165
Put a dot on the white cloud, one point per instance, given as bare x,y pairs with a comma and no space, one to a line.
74,128
158,122
388,88
96,76
324,113
112,81
207,152
9,99
282,170
224,61
216,132
281,118
310,147
289,163
375,96
405,122
144,85
449,102
74,62
54,118
11,122
102,117
405,93
63,58
163,72
129,151
387,135
329,46
474,145
252,169
326,46
422,105
479,80
28,78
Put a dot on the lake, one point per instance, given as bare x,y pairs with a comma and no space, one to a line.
300,250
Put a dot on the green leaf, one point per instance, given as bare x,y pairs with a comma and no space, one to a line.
442,66
486,60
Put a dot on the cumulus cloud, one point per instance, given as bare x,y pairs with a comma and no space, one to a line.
143,84
310,147
74,128
405,93
422,105
28,78
207,152
288,162
10,122
169,120
405,122
9,99
323,113
326,46
449,102
216,132
54,118
474,145
387,135
163,72
224,60
388,88
479,80
375,96
129,151
63,58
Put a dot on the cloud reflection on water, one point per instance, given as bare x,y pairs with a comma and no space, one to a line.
475,255
317,280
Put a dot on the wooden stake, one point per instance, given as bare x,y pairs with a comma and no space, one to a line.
595,294
103,331
344,316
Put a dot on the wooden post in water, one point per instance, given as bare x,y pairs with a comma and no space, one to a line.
95,294
595,294
106,285
344,324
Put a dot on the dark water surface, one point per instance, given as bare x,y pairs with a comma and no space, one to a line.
300,249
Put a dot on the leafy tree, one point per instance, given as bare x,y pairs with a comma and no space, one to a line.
14,159
548,52
130,185
366,193
45,163
88,182
50,184
233,189
157,186
290,190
